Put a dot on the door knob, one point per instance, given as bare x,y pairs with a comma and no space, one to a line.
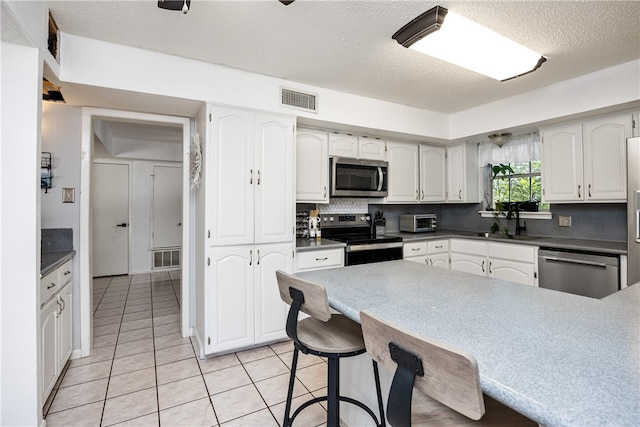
124,224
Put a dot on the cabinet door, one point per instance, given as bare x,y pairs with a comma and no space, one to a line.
232,298
65,325
438,260
473,264
514,271
271,312
562,172
432,172
49,346
371,148
343,145
274,179
605,160
312,166
403,173
231,175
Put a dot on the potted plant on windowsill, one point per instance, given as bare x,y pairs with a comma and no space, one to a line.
500,207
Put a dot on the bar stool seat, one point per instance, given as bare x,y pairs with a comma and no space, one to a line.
337,335
324,334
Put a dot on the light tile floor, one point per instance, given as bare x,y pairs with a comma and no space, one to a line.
141,372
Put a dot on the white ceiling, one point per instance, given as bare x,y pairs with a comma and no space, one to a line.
347,45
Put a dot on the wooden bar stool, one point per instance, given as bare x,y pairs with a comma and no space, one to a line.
446,374
324,334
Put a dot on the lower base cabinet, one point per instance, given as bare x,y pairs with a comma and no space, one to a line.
244,305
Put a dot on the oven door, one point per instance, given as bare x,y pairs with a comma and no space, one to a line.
358,178
368,253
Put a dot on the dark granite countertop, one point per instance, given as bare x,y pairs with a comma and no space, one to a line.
51,260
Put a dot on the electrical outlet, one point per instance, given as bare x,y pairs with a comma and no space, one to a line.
564,221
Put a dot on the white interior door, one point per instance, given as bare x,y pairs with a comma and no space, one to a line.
110,219
167,207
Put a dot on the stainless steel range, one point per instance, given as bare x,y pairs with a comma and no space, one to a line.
362,245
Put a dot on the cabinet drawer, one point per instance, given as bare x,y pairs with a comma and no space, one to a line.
438,247
49,285
513,252
314,260
472,247
414,249
65,273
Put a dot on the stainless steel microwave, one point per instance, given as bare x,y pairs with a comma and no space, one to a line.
358,178
418,223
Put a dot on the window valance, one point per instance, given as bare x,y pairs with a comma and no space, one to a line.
520,148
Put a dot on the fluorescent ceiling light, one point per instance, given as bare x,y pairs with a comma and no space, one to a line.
462,42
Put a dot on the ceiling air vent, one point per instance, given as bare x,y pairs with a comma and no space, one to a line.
299,100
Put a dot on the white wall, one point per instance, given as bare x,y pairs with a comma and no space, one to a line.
20,402
62,136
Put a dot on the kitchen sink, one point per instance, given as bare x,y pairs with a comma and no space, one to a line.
503,236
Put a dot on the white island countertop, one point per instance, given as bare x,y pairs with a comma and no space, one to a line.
559,359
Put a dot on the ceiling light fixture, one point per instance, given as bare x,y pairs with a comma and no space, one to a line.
462,42
500,138
182,5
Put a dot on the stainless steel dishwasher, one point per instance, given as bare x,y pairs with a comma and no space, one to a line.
589,274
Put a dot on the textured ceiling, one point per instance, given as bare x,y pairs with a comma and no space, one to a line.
347,45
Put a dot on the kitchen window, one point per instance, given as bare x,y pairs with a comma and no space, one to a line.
516,182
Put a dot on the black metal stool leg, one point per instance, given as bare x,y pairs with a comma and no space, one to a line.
292,381
376,376
333,391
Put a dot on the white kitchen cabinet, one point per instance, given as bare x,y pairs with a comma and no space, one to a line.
605,160
415,251
432,173
463,174
585,161
505,261
250,167
319,259
403,173
245,306
49,346
55,325
438,253
312,166
343,145
372,148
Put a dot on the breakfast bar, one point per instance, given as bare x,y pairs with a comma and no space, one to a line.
557,358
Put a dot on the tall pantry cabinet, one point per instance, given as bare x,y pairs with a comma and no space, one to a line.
247,231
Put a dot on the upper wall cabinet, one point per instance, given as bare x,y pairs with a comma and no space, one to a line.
586,161
463,174
250,174
312,166
356,147
432,173
403,173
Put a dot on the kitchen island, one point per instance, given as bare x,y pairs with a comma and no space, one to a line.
559,359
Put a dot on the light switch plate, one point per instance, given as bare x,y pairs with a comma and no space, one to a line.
564,221
68,195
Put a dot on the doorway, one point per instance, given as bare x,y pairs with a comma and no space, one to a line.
88,236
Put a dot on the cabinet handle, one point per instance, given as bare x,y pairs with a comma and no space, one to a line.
439,246
258,177
66,273
51,285
251,257
59,312
258,261
417,195
415,249
251,177
589,190
64,304
460,194
322,259
579,188
483,266
431,261
324,192
490,263
422,194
